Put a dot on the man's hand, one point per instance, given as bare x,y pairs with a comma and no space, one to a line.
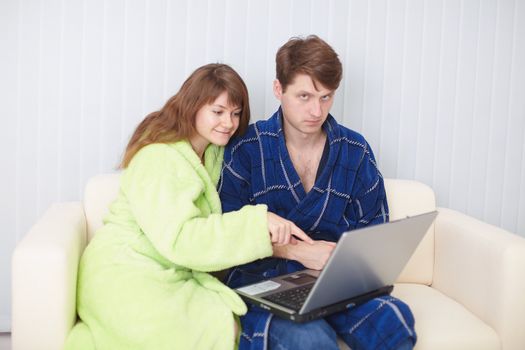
312,256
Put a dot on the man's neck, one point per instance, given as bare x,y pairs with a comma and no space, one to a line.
299,140
305,151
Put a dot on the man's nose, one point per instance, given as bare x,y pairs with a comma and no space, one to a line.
316,108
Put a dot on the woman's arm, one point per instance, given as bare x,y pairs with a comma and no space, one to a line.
163,191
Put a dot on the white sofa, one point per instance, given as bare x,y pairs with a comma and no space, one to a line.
465,283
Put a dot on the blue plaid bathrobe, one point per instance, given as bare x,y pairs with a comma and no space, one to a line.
348,193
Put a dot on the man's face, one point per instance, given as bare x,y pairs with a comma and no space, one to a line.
305,108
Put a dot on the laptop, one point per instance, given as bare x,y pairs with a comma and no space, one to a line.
364,264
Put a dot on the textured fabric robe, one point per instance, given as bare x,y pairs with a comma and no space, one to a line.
348,193
143,279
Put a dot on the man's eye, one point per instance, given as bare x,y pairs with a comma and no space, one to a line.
303,97
326,98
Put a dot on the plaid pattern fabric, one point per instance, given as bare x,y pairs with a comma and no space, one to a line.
381,323
348,193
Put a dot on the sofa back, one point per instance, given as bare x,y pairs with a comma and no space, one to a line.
405,198
408,198
100,191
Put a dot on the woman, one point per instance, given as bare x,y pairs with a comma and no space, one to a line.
144,279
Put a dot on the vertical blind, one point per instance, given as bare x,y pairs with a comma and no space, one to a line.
437,87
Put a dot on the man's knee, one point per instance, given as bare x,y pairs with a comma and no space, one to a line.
312,335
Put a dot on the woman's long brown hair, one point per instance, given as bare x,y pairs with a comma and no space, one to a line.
176,120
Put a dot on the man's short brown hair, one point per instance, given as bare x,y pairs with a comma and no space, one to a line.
311,56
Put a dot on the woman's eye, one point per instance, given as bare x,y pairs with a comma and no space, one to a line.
217,112
237,114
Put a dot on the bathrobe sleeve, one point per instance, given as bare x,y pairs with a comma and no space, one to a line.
234,187
172,204
369,202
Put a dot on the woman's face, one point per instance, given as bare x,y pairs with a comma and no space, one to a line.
215,123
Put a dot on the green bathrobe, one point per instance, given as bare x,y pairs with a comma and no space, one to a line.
144,279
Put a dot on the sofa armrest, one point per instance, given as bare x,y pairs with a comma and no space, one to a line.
44,278
482,267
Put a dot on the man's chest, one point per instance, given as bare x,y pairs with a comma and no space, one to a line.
306,165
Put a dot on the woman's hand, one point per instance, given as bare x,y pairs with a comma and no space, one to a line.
283,231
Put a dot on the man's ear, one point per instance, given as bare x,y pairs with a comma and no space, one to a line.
277,89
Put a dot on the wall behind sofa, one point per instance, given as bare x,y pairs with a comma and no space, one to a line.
437,87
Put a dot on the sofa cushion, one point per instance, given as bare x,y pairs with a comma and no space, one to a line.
442,323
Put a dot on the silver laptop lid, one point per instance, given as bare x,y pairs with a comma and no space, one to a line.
367,259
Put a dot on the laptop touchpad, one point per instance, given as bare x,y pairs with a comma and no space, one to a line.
300,279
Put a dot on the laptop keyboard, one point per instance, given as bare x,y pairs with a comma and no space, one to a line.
292,298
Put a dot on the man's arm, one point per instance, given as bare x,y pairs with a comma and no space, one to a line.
234,186
369,203
312,256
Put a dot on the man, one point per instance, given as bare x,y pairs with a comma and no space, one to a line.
323,177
